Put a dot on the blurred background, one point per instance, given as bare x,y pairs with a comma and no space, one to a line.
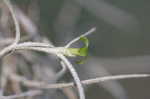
120,44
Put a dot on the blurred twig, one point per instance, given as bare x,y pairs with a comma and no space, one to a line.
43,85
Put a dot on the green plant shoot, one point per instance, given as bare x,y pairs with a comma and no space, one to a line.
80,51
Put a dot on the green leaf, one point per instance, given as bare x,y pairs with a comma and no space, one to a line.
84,50
80,51
85,40
74,51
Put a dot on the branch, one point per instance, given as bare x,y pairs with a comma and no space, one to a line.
24,94
16,23
6,50
77,38
43,85
74,75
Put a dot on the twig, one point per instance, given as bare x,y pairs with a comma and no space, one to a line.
17,27
77,38
43,85
24,94
74,74
16,23
35,44
62,71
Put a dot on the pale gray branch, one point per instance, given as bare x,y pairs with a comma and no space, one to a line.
74,74
77,38
24,94
43,85
16,23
